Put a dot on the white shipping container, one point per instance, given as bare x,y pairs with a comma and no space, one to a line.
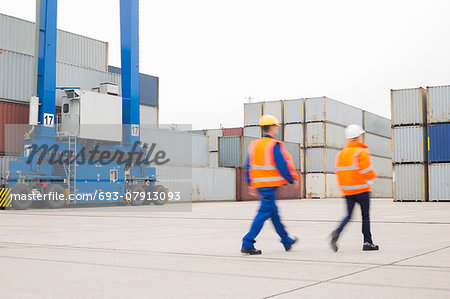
183,149
408,106
438,104
293,111
293,133
408,144
321,159
383,166
16,77
410,183
252,132
274,108
321,185
378,146
377,124
324,109
148,116
214,139
382,188
325,135
199,183
213,159
252,113
18,35
439,176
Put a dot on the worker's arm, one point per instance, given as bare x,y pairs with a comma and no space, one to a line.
247,169
366,166
282,164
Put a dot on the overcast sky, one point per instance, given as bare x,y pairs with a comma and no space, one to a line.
212,55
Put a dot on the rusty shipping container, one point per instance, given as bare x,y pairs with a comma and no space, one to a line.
233,131
13,126
289,191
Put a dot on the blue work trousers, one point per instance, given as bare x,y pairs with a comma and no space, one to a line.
364,201
268,209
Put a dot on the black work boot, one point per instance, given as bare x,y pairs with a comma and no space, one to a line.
289,246
333,241
252,251
367,246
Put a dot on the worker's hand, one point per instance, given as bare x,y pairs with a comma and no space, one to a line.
295,184
252,191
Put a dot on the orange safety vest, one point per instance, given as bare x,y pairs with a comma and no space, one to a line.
354,170
263,171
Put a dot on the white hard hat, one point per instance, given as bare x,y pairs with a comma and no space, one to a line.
353,131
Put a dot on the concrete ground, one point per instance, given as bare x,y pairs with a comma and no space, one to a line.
138,252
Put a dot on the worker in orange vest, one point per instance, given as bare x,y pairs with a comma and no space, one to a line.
354,173
268,166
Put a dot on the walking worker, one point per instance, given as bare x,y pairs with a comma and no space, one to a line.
268,166
354,174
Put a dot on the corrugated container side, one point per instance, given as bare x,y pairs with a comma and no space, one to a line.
214,139
213,159
230,151
408,144
408,106
324,109
13,125
18,35
252,113
321,185
321,160
439,143
293,111
410,182
378,146
4,167
377,124
325,135
294,150
181,148
439,174
199,183
16,76
383,166
274,108
382,188
252,132
438,104
293,133
233,131
213,184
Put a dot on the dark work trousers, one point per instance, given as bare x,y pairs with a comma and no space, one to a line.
364,201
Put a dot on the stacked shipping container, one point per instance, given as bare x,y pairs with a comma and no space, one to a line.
408,110
438,121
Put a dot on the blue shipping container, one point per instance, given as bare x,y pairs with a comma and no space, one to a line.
439,143
148,87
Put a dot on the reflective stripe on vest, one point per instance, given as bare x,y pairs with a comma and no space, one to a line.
354,187
263,167
366,170
269,179
343,168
